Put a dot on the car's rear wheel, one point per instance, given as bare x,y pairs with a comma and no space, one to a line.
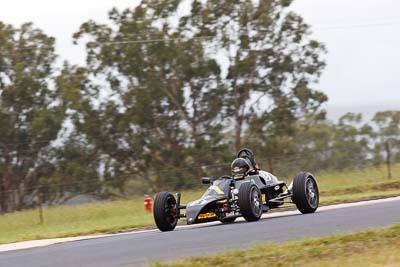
305,193
250,202
165,211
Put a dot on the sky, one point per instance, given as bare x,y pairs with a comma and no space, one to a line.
362,38
363,43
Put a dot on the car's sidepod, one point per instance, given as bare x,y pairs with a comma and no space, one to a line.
205,208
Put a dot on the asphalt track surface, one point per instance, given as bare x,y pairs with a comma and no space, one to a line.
138,249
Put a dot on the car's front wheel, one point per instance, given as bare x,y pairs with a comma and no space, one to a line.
250,202
164,211
305,193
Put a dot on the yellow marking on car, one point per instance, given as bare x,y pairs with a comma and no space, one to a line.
217,189
239,176
207,215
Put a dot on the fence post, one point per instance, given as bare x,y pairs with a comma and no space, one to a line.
39,197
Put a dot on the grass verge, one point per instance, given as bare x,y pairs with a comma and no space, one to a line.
371,248
114,216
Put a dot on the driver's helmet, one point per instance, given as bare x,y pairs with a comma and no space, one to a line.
249,155
240,167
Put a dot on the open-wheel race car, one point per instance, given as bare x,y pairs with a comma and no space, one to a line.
248,192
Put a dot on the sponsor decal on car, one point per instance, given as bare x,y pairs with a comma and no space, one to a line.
207,215
231,213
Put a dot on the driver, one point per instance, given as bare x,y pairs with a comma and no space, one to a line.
245,164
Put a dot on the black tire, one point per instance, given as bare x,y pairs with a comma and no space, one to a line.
250,202
228,220
305,193
164,211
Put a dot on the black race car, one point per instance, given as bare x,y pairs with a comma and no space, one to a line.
248,192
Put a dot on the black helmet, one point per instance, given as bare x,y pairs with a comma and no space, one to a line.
248,154
240,167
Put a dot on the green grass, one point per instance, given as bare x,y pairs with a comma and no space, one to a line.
62,221
114,216
73,220
325,200
370,176
371,248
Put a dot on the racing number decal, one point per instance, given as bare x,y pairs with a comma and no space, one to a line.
207,215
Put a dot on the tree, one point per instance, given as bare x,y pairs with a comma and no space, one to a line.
169,71
322,145
167,104
268,54
29,117
387,135
351,146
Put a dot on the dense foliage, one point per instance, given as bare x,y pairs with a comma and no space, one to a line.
168,95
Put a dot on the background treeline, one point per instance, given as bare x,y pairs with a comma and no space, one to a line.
167,97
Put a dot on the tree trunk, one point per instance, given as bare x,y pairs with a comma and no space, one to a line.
388,159
269,166
7,194
238,134
238,118
3,207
